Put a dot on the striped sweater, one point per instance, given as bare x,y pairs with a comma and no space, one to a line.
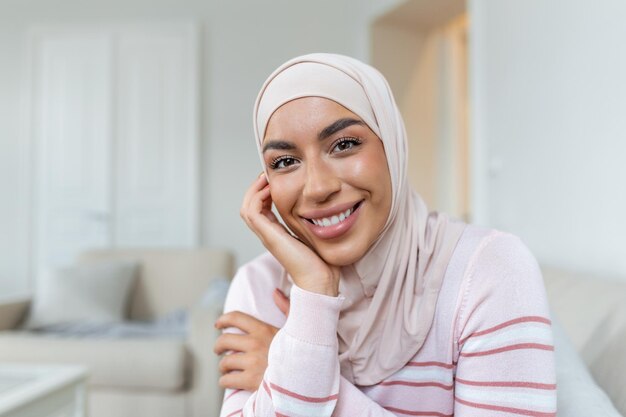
489,351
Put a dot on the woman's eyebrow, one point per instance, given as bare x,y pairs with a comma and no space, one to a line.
337,126
279,144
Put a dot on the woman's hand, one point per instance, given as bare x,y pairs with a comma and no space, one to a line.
245,366
307,269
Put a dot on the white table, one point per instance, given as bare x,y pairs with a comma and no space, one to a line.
42,390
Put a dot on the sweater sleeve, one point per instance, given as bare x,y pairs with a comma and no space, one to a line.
505,352
302,377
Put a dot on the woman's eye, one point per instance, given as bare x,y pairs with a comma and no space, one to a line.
345,144
282,162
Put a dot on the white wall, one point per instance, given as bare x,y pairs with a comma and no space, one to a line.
242,42
549,125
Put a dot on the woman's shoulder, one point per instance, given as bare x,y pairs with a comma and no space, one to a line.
494,250
501,276
492,264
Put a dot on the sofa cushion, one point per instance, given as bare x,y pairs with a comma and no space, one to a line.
578,395
168,279
119,363
97,292
608,365
583,302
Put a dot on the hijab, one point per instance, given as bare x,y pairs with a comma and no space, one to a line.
391,292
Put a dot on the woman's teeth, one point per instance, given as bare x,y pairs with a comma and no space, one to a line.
331,221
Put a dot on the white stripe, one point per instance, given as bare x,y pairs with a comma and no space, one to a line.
528,333
289,405
419,374
524,398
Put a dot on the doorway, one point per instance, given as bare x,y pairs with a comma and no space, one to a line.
421,48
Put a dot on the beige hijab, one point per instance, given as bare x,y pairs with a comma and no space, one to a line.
391,292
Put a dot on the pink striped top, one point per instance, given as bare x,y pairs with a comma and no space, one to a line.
488,353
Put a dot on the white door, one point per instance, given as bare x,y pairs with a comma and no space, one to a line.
72,129
156,151
114,126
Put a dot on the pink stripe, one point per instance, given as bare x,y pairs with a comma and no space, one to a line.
418,384
232,393
418,413
508,348
235,412
526,319
516,384
267,389
303,397
440,364
505,409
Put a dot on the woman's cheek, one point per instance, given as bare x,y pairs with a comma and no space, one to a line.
358,169
281,197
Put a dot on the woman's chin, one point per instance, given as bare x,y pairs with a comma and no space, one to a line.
338,257
335,253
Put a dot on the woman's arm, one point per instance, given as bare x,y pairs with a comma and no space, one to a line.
310,273
302,377
505,350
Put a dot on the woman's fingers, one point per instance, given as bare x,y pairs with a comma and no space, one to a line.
242,321
281,301
243,370
246,354
231,362
234,342
257,329
256,211
235,362
245,380
257,186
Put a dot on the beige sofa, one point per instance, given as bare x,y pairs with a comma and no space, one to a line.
592,311
135,377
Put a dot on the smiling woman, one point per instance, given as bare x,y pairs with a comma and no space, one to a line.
331,185
392,310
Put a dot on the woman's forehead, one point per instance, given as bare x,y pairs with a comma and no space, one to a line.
307,113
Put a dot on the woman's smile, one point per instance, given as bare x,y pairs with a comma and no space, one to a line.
328,177
334,222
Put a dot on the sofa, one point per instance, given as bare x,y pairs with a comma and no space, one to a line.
589,321
141,376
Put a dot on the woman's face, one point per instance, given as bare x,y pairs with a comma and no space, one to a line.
328,177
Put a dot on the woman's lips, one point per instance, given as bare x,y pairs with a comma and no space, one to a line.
324,228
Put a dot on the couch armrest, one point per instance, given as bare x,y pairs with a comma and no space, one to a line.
12,312
205,395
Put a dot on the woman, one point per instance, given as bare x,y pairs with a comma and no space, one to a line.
393,311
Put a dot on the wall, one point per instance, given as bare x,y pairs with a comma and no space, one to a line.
548,127
242,42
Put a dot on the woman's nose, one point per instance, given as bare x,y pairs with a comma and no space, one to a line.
321,182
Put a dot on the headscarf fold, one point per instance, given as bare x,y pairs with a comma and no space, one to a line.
391,292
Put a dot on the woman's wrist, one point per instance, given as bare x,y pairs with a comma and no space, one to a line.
328,290
328,287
